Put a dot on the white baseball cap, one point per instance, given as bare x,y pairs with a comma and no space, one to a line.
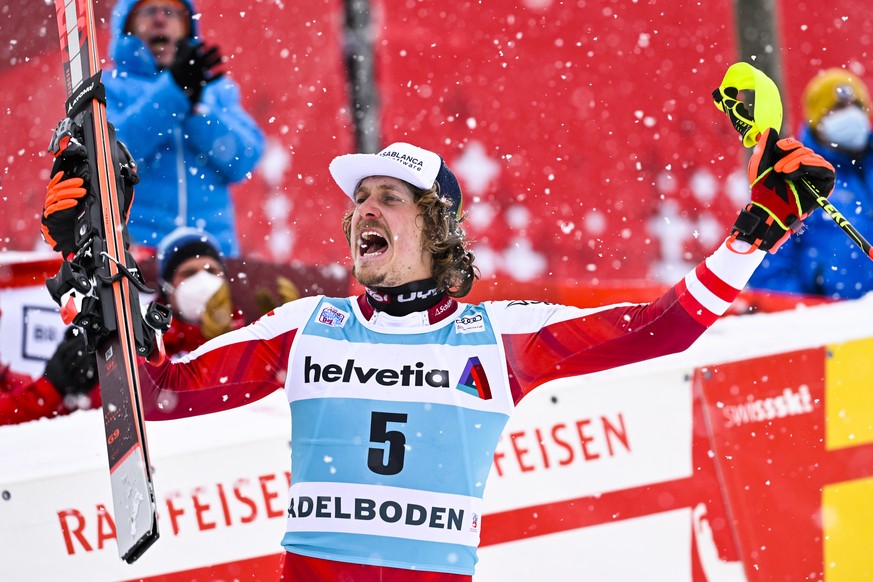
415,165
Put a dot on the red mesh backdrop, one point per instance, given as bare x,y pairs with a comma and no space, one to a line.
583,132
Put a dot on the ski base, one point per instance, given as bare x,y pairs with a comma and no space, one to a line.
133,498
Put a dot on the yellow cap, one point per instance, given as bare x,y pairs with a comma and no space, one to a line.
830,88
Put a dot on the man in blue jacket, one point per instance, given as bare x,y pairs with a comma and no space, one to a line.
822,260
182,119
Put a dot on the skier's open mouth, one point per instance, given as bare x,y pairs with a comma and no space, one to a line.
371,243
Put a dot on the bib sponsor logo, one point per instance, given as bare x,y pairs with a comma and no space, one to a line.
331,316
474,381
406,375
471,324
364,509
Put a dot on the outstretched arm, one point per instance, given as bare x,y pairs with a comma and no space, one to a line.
544,342
23,398
552,342
236,368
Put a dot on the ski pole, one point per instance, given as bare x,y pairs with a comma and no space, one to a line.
768,113
837,217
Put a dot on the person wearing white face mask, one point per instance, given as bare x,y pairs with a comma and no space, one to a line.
193,281
822,261
846,129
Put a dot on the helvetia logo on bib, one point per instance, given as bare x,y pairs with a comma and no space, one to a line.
473,380
414,375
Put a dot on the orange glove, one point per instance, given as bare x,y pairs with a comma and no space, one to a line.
71,182
62,201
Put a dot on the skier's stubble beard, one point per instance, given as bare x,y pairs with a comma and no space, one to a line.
369,280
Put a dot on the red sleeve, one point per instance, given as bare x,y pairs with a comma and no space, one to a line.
234,369
601,340
558,342
23,398
183,337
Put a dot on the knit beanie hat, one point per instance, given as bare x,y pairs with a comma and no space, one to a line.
830,88
182,244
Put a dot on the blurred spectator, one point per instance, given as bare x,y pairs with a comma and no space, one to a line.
193,282
69,383
182,120
822,260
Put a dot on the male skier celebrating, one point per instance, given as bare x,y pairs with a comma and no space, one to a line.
398,396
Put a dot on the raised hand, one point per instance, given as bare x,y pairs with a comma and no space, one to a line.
778,203
70,185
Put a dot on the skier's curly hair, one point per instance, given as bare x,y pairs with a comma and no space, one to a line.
444,238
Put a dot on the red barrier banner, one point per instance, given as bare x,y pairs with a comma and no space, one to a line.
792,441
607,469
221,484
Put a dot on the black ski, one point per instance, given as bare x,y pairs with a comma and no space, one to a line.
97,288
